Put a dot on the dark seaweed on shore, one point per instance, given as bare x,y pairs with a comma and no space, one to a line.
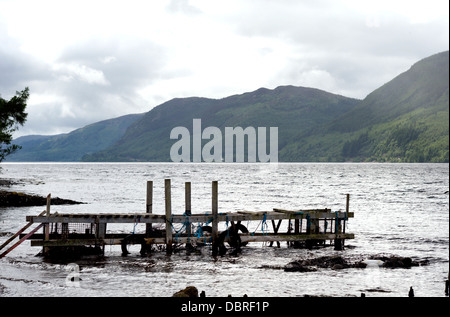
337,262
16,199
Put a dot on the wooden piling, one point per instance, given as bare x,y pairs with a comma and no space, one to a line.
167,191
296,231
215,221
100,228
340,228
187,197
347,208
337,229
347,205
187,200
47,225
149,206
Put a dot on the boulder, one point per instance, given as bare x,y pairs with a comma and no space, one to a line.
298,266
190,291
397,262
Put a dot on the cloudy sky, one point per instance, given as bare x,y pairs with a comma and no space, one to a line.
86,61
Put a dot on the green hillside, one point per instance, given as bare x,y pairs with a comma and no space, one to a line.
73,146
291,109
405,120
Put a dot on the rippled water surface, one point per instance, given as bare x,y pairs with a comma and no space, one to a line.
400,209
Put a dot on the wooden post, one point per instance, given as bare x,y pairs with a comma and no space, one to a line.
347,205
296,231
149,206
100,228
289,231
215,212
167,190
339,243
188,212
47,213
47,225
315,225
347,208
187,198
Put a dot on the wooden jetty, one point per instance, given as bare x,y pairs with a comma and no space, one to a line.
311,227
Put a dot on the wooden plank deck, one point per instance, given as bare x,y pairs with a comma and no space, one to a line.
205,217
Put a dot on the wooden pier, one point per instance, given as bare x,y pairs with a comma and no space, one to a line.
306,228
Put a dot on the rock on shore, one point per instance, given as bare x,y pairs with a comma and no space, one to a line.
190,291
16,199
334,262
337,262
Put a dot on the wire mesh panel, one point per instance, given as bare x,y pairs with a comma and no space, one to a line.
64,229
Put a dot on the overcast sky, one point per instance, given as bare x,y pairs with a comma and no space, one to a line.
86,61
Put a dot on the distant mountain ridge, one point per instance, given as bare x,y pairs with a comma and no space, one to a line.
405,120
292,109
71,147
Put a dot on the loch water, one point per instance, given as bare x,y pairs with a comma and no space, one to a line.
399,209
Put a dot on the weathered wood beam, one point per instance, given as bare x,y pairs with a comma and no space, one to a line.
206,217
257,237
19,233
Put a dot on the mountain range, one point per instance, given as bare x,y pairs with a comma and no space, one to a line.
71,147
405,120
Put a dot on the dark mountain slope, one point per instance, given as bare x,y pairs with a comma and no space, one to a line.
291,109
73,146
405,120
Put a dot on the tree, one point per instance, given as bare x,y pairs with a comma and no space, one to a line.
12,114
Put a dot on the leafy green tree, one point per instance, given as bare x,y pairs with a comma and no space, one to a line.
12,114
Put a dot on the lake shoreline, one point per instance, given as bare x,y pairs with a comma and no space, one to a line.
19,199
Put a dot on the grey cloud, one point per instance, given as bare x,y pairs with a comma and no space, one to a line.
50,115
81,97
117,71
18,69
360,51
330,28
125,64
